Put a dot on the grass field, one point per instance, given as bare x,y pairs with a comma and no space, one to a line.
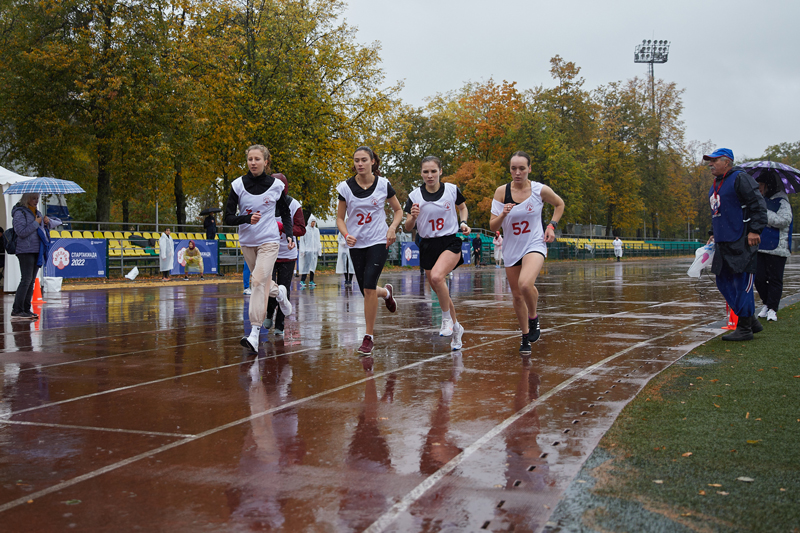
711,444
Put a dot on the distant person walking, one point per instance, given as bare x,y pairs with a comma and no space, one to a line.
361,218
498,249
33,237
775,246
738,216
477,245
210,225
344,265
166,254
618,248
310,250
252,204
439,210
517,208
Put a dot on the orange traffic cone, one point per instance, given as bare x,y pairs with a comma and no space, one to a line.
37,292
732,318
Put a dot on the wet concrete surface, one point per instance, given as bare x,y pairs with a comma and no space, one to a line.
136,409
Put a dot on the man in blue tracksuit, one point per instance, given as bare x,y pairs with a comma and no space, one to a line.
738,214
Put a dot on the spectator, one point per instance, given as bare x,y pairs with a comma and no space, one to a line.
343,263
310,250
477,244
776,245
210,225
498,249
192,258
618,248
166,254
2,254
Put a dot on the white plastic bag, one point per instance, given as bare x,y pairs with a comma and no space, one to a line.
51,284
133,273
702,259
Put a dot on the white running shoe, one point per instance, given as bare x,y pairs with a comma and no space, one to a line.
247,292
251,342
447,328
772,316
763,312
283,301
458,330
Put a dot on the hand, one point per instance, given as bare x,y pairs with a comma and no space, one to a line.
507,209
753,239
464,228
351,241
390,237
38,219
549,234
46,221
255,217
414,210
291,244
710,240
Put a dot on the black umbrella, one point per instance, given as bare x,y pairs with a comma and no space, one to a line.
209,210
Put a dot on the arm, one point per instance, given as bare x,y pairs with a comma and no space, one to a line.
286,217
341,212
413,213
21,225
496,221
231,207
782,218
463,216
555,200
394,203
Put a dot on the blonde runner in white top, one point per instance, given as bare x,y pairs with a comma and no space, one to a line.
266,230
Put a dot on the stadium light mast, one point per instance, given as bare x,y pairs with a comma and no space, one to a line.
651,52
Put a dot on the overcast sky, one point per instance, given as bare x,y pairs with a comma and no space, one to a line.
738,61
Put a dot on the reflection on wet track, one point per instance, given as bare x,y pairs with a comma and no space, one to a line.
138,409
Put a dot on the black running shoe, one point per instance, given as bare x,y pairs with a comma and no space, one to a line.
533,329
525,347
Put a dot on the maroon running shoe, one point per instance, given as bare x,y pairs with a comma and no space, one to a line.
366,346
391,305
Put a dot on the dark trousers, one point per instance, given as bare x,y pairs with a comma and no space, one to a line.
27,270
282,275
737,290
769,279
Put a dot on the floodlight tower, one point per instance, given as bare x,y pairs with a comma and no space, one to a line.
651,52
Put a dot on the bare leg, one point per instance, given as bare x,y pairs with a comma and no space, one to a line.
371,297
437,276
522,280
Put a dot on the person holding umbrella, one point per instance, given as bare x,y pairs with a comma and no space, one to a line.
775,246
210,222
33,237
738,216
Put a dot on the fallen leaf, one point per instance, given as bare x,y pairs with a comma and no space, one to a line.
699,378
745,479
717,406
758,419
686,514
753,441
72,502
702,493
714,380
661,482
714,485
722,493
30,501
747,415
797,376
783,490
580,481
687,454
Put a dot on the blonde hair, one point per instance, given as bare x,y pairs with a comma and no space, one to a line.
26,197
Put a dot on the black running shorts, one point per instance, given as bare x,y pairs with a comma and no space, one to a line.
431,249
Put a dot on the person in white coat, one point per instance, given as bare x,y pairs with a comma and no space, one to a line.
498,249
618,248
166,254
310,250
344,265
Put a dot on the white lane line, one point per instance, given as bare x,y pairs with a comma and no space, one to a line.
94,428
400,507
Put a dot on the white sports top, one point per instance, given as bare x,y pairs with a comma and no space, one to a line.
438,218
366,218
266,229
283,251
522,227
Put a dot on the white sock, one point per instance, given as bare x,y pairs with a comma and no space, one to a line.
446,315
254,331
370,336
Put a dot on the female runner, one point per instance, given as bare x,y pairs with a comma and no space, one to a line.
517,208
361,201
436,208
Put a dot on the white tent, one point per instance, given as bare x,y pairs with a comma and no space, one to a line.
11,274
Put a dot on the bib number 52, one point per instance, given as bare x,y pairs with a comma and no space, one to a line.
518,228
364,219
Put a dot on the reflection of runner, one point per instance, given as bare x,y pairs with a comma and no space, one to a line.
361,201
432,208
517,208
440,447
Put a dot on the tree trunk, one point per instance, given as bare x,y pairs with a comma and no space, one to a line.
180,199
125,215
609,219
103,183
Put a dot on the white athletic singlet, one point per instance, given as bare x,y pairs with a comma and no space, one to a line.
266,229
439,218
366,218
283,251
522,227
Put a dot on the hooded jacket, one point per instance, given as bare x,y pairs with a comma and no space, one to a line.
311,242
25,225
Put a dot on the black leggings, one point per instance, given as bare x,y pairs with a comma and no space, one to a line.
769,279
368,264
27,270
282,275
310,277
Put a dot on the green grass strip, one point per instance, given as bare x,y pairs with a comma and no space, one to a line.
724,412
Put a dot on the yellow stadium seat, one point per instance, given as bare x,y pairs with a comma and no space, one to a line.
54,234
98,235
118,235
88,235
108,235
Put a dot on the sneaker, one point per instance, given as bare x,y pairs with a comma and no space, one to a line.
763,312
391,305
185,278
447,328
772,316
34,316
251,343
22,315
302,284
533,329
202,278
366,346
283,301
267,324
312,284
278,333
247,292
458,330
525,347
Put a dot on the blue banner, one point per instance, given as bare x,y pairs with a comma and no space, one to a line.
466,253
208,251
76,258
410,254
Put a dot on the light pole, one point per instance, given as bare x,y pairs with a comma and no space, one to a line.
651,52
